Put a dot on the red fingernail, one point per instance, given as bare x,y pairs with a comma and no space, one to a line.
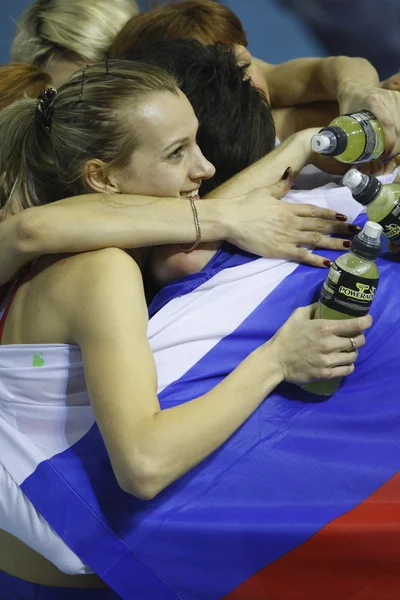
287,173
346,244
327,263
340,217
389,152
353,229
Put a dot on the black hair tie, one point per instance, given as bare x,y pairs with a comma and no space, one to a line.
45,106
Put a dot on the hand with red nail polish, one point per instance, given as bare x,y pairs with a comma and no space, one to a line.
278,229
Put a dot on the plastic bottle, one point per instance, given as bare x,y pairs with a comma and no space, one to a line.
349,289
351,138
382,201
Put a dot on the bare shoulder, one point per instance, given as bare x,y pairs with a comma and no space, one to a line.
78,292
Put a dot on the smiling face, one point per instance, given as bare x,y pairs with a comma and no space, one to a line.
167,160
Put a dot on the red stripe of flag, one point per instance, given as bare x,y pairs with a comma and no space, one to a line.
355,557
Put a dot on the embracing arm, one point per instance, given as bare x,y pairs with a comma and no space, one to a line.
304,80
148,447
96,221
353,82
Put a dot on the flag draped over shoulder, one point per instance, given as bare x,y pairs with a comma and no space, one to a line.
302,502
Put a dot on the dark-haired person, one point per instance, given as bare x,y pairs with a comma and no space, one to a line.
258,223
352,82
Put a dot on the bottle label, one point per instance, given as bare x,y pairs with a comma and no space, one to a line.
391,224
373,143
348,293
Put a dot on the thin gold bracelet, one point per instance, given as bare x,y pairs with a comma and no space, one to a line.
198,230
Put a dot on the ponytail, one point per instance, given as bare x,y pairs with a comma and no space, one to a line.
46,143
25,155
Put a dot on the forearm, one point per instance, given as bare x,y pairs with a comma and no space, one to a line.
179,438
96,221
336,72
305,80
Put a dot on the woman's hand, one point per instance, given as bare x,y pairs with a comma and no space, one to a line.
262,224
383,103
309,349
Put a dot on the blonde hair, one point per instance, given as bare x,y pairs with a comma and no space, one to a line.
43,153
77,30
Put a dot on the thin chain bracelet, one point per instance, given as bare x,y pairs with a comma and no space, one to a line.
198,230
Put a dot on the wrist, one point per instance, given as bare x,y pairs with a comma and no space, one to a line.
214,223
269,356
303,141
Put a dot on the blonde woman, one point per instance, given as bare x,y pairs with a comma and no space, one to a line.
136,133
61,36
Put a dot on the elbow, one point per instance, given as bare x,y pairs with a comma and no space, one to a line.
28,233
144,481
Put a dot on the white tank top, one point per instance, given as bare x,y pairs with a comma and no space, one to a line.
33,408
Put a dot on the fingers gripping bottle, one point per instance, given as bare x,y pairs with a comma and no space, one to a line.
349,289
382,201
351,138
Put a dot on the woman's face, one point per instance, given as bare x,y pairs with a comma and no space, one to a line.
167,161
254,71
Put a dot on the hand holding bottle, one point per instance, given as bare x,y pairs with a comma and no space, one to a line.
311,349
383,103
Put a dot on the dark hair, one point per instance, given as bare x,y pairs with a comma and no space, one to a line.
236,124
203,20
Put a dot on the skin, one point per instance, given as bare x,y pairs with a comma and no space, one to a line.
170,163
148,447
352,83
61,69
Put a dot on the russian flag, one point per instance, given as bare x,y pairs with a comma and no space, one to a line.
302,502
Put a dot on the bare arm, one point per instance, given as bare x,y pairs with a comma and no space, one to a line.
149,448
96,221
304,80
292,119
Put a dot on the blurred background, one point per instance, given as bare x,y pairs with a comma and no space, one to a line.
279,30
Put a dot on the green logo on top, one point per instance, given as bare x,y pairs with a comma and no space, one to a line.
38,360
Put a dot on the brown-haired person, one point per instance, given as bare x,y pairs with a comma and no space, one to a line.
18,80
353,83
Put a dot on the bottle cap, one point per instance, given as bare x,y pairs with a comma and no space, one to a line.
364,188
352,179
372,230
321,142
367,243
330,140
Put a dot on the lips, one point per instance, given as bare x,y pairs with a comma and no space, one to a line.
192,194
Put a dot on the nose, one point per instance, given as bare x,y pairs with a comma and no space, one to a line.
202,168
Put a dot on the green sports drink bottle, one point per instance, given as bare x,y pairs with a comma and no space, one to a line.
349,289
382,201
353,138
